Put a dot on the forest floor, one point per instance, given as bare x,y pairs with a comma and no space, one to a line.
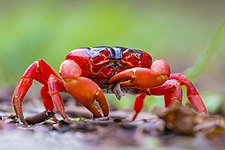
177,127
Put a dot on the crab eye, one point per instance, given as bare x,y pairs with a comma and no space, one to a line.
135,53
105,52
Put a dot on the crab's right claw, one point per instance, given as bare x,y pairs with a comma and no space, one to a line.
84,90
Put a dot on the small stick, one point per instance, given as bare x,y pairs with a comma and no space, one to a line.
38,118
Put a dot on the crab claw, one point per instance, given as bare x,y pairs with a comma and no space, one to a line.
84,90
143,77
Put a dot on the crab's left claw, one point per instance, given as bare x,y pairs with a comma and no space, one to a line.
84,90
144,77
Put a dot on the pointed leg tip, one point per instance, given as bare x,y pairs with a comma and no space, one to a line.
134,116
106,114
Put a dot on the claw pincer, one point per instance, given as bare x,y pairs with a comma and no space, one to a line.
84,90
143,77
87,72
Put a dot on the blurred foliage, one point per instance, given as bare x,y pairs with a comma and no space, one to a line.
176,30
192,72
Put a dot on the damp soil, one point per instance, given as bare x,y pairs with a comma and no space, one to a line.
177,127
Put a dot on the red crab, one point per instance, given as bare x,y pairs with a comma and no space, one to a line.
87,73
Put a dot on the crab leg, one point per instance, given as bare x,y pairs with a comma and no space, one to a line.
172,91
18,95
138,104
192,93
40,71
84,90
167,89
174,96
48,103
55,96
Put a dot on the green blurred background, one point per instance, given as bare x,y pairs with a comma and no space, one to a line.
176,30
